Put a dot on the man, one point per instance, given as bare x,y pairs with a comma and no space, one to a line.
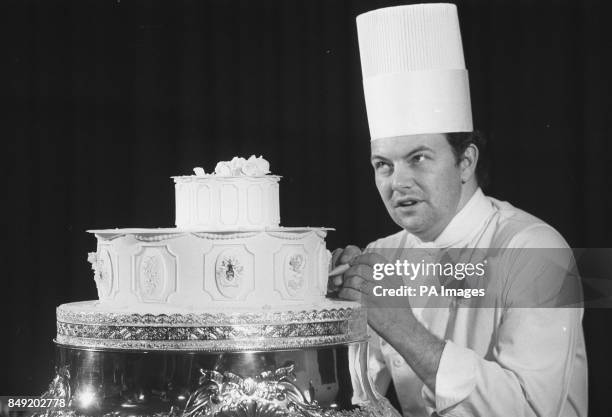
508,354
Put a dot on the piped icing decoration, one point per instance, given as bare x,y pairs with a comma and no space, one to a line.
199,172
223,169
238,166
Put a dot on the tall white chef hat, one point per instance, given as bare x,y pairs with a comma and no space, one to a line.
414,75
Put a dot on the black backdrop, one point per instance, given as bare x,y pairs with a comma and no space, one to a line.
108,99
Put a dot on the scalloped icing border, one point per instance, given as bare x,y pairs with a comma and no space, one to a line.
208,319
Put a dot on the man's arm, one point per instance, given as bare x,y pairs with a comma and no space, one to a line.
527,372
397,325
419,347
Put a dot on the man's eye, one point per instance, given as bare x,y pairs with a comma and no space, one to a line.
418,158
381,166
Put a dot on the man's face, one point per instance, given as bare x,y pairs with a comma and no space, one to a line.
419,181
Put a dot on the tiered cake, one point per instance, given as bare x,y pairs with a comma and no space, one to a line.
224,315
228,274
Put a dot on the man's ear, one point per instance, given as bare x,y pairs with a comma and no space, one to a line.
468,163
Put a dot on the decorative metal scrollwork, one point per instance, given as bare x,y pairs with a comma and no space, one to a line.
272,393
269,394
60,389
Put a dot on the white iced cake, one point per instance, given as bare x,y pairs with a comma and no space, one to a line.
226,261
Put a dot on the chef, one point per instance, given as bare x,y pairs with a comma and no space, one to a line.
505,355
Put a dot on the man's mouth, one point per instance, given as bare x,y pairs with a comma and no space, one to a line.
408,202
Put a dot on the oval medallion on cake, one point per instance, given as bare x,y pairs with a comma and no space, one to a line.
234,272
295,266
154,269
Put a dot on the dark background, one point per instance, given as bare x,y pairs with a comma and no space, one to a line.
108,99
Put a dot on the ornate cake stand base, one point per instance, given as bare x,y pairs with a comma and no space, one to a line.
323,381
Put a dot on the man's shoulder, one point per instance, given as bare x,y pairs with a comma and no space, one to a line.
516,228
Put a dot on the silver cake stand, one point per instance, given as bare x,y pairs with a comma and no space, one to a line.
288,364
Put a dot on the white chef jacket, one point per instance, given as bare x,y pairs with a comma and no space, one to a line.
497,361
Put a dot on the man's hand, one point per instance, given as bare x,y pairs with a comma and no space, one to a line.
341,257
358,282
383,310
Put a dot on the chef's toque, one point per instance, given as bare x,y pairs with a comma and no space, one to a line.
414,75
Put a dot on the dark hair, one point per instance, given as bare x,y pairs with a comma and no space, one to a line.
459,141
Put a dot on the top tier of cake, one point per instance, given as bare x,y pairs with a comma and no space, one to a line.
238,195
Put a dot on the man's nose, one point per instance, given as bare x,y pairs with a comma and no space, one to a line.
403,178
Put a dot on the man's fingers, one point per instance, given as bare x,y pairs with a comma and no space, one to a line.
339,270
350,294
358,283
343,257
334,283
354,282
337,280
360,270
350,278
335,257
348,254
368,258
357,273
